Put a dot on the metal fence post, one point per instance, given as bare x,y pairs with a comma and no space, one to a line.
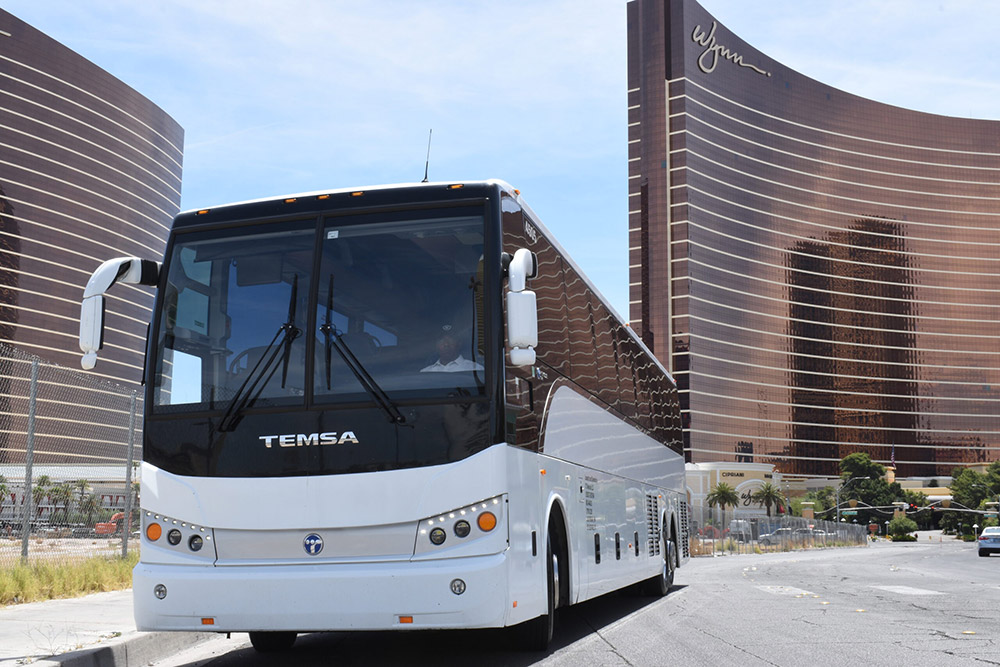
29,460
127,521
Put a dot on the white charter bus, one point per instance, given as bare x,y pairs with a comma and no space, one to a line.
399,407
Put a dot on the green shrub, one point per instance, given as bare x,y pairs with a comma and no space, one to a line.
903,538
901,526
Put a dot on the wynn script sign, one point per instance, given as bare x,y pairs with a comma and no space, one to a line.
709,58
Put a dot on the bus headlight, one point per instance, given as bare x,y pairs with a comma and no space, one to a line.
181,536
466,523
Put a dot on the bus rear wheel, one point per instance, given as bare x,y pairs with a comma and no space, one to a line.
659,585
268,642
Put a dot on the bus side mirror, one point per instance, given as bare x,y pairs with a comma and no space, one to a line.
522,310
91,329
130,270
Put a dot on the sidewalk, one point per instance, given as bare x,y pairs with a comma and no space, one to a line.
93,630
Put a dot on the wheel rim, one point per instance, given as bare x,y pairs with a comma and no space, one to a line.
669,561
555,580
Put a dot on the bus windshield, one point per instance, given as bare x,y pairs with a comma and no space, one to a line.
396,307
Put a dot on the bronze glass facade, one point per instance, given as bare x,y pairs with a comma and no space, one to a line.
89,170
820,271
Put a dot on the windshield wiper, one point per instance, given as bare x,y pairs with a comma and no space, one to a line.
327,329
334,340
260,374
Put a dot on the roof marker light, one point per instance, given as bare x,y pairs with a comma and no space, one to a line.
358,194
291,200
202,211
323,197
456,186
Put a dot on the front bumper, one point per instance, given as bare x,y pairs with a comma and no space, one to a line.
323,597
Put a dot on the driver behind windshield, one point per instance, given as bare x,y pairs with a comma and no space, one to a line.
450,360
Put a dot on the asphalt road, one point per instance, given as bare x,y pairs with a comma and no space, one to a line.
929,603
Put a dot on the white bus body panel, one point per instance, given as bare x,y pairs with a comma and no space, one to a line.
368,574
375,567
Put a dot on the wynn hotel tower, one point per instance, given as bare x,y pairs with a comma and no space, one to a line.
820,271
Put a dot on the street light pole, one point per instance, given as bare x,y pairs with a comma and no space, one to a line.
840,488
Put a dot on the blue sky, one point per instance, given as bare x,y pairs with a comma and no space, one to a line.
295,95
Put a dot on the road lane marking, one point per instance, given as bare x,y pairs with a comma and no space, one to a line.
785,590
907,590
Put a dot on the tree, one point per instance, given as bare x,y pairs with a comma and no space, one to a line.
723,495
768,495
39,492
901,526
62,495
81,486
822,499
970,488
89,506
873,491
860,464
4,490
923,518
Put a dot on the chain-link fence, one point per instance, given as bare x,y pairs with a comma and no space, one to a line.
69,447
714,531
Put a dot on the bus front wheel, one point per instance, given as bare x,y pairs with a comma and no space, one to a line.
268,642
536,634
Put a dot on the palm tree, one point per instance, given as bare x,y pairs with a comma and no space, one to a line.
62,495
723,495
4,490
768,495
39,492
81,486
89,506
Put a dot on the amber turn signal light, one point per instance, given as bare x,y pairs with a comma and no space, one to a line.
487,521
153,532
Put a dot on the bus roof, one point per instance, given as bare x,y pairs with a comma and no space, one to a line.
436,185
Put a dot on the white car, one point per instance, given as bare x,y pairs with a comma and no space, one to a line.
989,541
777,537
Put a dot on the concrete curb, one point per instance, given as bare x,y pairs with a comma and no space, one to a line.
135,649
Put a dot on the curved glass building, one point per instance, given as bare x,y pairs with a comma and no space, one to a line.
820,271
89,170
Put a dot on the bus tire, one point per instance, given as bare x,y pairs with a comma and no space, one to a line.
659,585
268,642
536,634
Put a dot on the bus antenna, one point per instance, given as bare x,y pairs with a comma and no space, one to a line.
427,165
